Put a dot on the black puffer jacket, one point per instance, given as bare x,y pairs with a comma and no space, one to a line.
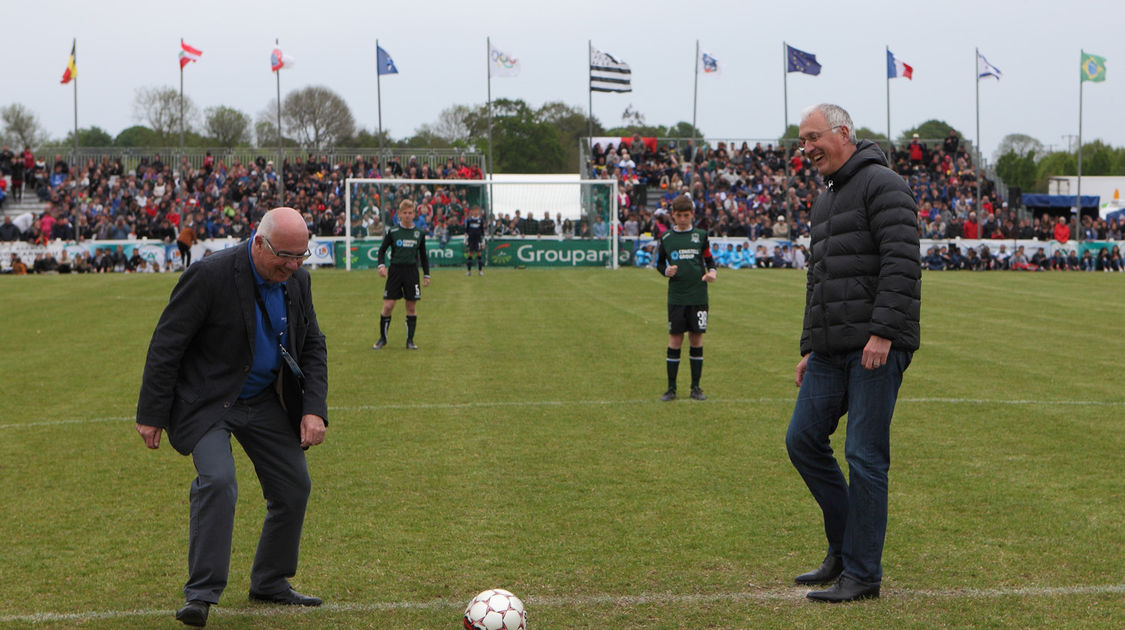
865,277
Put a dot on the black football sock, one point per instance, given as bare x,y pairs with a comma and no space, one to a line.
411,324
384,325
480,263
696,356
469,264
673,366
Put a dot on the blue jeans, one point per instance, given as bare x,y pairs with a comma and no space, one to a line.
855,511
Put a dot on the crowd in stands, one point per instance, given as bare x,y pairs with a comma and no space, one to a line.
102,200
951,258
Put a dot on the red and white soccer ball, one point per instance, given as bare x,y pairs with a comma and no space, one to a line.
495,609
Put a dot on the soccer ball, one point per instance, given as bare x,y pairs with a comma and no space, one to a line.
495,609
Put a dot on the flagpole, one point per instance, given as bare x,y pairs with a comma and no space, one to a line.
785,83
488,80
181,160
590,86
1078,197
980,211
280,155
379,97
695,95
888,102
784,144
74,47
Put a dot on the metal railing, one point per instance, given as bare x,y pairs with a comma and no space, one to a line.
131,157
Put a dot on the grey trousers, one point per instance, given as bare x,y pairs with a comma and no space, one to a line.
261,427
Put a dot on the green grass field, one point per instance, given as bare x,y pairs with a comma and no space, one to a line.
524,447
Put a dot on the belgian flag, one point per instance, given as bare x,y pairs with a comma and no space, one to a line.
71,69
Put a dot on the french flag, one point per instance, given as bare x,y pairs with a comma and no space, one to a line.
896,68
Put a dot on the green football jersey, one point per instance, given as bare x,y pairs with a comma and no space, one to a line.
690,252
407,245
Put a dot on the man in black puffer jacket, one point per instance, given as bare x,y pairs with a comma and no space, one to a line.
862,307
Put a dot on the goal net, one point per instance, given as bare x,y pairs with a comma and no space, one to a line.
529,222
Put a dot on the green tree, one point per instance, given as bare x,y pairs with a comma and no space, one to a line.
1018,170
227,126
1057,163
930,130
1020,144
137,136
89,137
572,125
522,143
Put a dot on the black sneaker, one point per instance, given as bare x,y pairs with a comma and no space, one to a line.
410,345
697,394
379,344
669,395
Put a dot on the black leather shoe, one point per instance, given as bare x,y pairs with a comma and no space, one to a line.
194,613
826,573
846,589
289,598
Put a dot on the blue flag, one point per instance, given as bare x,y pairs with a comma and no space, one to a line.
383,62
801,61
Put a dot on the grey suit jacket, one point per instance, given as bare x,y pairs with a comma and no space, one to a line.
202,350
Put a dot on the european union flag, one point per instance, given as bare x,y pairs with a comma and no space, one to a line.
384,62
801,61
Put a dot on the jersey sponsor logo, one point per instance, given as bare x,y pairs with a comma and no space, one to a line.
683,253
406,243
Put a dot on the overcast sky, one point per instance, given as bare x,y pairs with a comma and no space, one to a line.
439,48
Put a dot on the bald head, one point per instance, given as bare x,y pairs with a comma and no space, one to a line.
282,222
279,244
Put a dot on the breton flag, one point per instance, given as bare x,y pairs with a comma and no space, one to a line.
71,71
985,69
501,64
279,60
896,68
383,62
188,54
801,61
608,74
708,64
1093,67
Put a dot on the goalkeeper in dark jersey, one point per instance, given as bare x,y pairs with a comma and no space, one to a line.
408,248
474,241
684,257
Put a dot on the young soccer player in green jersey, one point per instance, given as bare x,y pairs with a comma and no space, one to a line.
408,248
684,257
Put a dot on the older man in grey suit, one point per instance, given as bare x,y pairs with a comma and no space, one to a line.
238,351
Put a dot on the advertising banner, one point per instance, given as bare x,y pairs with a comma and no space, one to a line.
523,252
364,252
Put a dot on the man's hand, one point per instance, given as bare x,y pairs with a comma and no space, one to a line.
670,270
711,275
312,430
151,435
426,281
875,352
799,373
383,271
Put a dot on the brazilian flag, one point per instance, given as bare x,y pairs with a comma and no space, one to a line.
1093,67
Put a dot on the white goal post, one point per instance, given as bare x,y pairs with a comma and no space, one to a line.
546,219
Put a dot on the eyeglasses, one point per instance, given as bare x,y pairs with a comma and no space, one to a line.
814,136
287,255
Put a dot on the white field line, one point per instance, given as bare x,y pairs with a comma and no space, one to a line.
793,594
562,403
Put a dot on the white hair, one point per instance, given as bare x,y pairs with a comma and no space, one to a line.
835,115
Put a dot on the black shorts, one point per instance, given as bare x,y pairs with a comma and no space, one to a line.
682,319
402,283
472,246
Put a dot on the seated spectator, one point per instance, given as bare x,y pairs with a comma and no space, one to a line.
1019,261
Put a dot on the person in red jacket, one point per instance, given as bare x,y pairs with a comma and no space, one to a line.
971,228
1062,230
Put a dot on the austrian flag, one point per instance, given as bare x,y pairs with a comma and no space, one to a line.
896,68
188,54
